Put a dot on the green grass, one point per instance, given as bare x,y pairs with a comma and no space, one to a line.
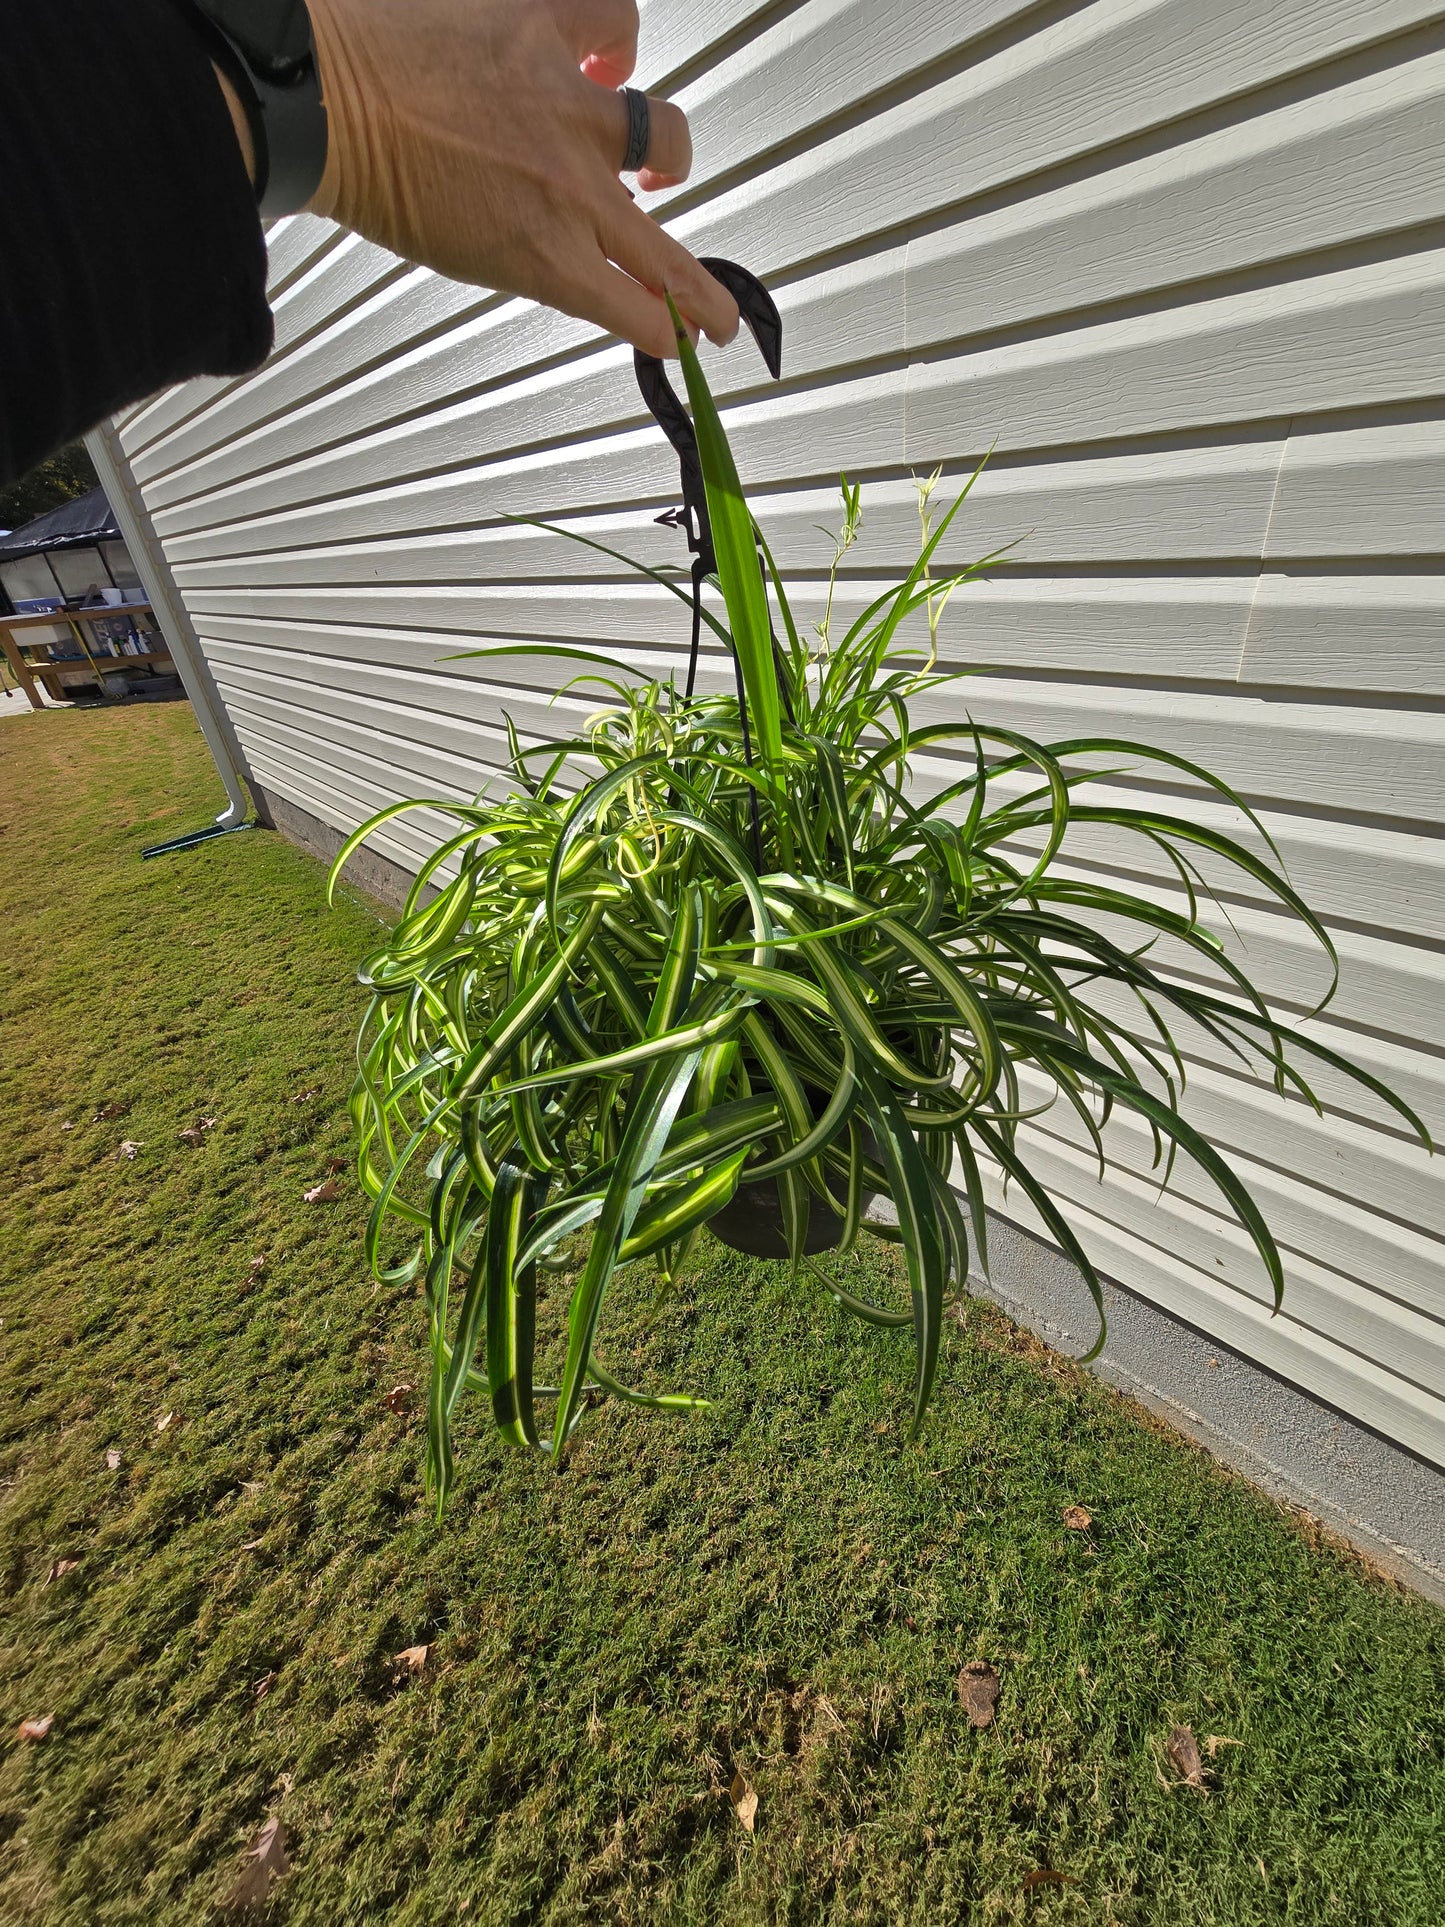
779,1586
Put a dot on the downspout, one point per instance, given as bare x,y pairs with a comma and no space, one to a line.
154,571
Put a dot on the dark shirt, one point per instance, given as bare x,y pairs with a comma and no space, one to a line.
131,253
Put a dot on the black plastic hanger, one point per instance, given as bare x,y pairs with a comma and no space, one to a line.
760,312
765,324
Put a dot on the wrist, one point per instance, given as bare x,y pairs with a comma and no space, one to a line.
333,76
265,60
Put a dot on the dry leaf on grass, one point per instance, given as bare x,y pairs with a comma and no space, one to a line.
978,1691
113,1460
128,1147
253,1545
266,1862
745,1802
1217,1740
305,1097
412,1659
264,1685
1047,1877
36,1729
323,1193
195,1132
336,1165
398,1399
1078,1518
1182,1750
60,1568
166,1421
109,1111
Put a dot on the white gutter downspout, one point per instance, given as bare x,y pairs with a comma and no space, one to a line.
154,571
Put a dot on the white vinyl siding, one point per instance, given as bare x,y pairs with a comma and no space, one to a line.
1182,264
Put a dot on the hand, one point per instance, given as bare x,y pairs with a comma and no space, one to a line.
483,138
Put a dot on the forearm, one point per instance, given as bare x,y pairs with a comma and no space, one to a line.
130,249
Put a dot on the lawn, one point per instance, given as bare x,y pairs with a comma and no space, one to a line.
780,1589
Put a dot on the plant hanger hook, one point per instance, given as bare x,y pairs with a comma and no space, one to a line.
759,310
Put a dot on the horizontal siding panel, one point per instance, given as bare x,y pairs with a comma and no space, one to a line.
1372,874
1417,1076
1362,491
1270,750
1353,872
1309,752
1367,633
1363,334
1347,1379
1101,76
378,763
1203,503
1191,627
1405,1341
1340,1162
1330,755
815,55
378,335
1324,1242
1377,872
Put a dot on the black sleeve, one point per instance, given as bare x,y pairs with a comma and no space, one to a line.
131,253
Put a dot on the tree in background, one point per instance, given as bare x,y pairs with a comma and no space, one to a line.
60,478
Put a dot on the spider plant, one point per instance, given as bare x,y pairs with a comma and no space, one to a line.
733,939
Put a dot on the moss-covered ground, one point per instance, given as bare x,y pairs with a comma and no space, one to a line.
780,1589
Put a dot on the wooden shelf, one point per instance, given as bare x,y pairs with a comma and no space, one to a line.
29,670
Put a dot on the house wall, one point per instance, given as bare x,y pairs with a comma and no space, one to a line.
1180,263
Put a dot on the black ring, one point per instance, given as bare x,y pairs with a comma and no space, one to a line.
639,129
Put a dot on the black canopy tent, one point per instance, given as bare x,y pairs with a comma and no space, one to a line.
85,523
74,525
59,633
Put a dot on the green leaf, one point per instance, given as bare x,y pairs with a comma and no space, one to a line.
651,1118
511,1302
740,575
912,1192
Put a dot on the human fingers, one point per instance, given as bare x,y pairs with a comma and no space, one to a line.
669,139
650,255
623,307
602,37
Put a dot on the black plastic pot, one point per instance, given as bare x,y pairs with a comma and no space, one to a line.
752,1221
